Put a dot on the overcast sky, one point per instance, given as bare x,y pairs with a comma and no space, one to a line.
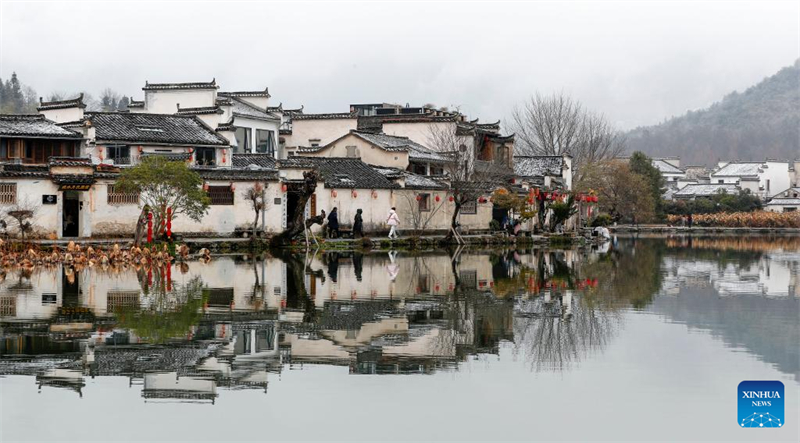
636,62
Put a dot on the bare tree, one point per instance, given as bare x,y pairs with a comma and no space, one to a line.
257,197
109,100
22,216
420,219
469,178
558,125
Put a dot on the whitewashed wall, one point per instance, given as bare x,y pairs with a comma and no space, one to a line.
326,130
166,101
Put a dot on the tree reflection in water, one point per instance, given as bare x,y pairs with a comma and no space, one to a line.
381,312
168,312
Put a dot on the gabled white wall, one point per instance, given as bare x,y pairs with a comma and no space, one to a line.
166,101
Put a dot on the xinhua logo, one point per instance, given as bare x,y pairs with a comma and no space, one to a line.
761,404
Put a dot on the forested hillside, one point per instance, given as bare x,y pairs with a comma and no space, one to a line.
761,122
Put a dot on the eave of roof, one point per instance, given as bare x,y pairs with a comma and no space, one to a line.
191,85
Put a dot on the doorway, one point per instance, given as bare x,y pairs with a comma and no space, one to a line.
71,214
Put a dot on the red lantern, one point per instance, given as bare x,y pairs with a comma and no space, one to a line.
141,149
191,150
450,198
233,187
355,194
374,194
419,198
437,198
205,186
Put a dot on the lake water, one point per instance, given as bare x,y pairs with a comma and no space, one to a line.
642,339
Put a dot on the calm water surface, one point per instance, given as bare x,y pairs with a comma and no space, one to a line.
644,339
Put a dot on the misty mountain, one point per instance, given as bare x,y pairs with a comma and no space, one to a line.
761,122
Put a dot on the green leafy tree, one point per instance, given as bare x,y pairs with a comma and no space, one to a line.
562,211
163,184
643,165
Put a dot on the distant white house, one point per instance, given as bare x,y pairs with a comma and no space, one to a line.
694,191
669,168
786,201
764,179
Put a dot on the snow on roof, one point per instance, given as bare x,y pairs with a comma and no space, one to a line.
739,169
782,201
33,126
538,165
706,190
666,167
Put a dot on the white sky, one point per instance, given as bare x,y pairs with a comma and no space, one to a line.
638,62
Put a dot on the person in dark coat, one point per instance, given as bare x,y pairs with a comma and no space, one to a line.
358,225
333,223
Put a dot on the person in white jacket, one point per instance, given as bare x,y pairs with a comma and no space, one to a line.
393,220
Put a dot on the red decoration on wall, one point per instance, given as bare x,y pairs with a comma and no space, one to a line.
419,198
284,188
374,194
437,198
333,193
450,198
233,187
205,186
355,194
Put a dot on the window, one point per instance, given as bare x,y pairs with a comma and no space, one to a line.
470,207
352,151
424,202
314,142
265,142
115,197
418,168
205,156
437,170
120,155
720,181
220,195
8,193
242,140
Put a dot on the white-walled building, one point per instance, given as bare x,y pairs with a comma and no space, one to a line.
764,179
786,201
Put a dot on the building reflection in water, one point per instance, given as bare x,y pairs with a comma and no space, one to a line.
183,332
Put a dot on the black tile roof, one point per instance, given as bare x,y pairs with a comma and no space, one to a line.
200,110
237,174
172,156
162,129
264,93
341,172
33,126
18,170
326,116
264,161
541,165
70,161
73,179
193,85
61,104
240,108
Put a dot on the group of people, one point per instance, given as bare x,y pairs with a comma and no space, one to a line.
332,227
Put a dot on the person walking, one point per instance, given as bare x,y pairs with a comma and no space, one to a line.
393,220
358,225
333,223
